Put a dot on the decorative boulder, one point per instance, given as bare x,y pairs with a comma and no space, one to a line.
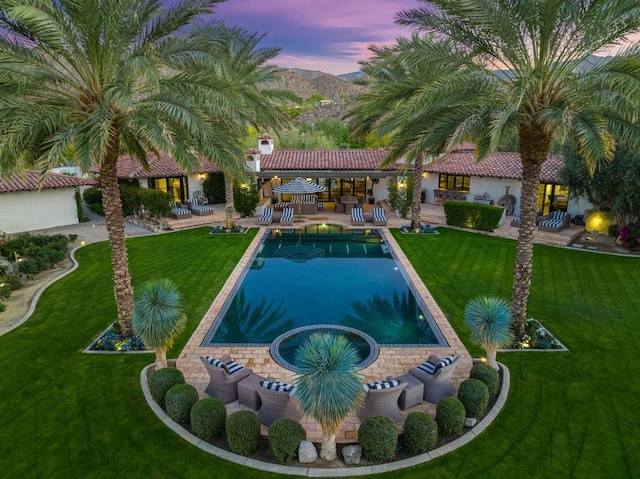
307,452
352,454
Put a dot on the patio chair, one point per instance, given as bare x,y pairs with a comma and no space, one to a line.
554,222
277,404
178,212
222,384
339,206
287,217
437,384
382,402
267,217
379,218
357,217
202,200
199,209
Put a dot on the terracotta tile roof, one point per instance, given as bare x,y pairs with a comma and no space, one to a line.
497,165
162,167
30,181
335,160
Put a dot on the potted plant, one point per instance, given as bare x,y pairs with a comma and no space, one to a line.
372,199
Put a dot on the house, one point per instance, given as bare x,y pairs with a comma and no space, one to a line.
27,202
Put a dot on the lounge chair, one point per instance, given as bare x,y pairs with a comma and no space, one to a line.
276,405
437,384
179,212
379,218
287,217
223,385
357,217
200,210
554,222
267,217
382,402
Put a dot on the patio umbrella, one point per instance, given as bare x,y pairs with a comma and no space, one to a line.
299,186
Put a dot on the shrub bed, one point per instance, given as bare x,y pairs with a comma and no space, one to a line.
487,375
472,215
420,433
450,415
178,402
474,396
161,381
285,435
208,418
378,437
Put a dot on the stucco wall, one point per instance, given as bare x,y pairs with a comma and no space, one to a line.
34,210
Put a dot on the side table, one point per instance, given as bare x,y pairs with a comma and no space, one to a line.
412,394
248,391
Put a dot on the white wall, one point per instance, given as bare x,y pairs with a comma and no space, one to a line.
34,210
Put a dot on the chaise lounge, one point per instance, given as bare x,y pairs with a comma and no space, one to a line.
267,217
178,212
554,222
357,217
379,218
199,209
287,217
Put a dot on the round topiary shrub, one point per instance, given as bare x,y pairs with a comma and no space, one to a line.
161,381
487,375
208,418
420,433
179,401
474,396
243,432
285,435
450,415
378,437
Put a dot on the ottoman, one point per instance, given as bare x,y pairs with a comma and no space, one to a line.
412,394
248,391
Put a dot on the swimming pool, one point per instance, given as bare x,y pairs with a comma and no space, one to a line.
324,275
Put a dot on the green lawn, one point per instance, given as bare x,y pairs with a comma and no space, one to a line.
66,414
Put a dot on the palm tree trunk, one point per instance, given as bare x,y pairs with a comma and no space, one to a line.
491,357
161,358
417,192
328,449
534,146
228,198
114,221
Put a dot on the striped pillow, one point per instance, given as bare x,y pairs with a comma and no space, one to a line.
276,386
444,362
428,367
232,367
381,385
215,362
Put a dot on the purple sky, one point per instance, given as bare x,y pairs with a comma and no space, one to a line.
327,35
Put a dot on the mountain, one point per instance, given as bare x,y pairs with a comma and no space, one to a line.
351,76
305,83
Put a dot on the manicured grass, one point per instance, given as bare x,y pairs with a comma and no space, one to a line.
65,414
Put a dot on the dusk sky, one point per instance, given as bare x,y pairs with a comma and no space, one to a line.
327,35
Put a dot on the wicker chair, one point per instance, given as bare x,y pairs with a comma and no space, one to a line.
382,402
222,385
276,405
438,385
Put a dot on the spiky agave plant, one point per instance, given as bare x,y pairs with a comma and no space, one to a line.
327,385
158,317
490,321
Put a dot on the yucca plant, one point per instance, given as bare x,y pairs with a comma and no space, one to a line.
327,385
490,321
158,317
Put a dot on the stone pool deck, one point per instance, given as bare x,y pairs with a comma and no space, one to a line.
390,362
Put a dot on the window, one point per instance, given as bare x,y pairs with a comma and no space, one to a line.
175,186
454,182
552,197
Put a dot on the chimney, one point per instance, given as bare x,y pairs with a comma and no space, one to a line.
253,159
265,144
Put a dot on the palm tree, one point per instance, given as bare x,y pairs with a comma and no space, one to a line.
158,317
84,81
490,321
228,198
327,385
545,93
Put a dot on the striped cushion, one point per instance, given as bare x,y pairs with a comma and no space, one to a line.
276,386
381,385
428,367
378,214
444,362
232,367
287,215
215,362
357,215
552,223
267,214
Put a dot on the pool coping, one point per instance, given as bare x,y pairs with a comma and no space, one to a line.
469,436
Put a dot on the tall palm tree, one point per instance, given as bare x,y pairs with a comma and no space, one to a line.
158,317
327,385
84,81
545,93
490,321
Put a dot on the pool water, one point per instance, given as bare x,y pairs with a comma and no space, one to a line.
324,276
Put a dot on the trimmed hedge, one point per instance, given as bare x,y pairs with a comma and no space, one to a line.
179,401
285,435
420,433
161,381
243,432
487,375
378,437
474,396
450,415
472,215
208,418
